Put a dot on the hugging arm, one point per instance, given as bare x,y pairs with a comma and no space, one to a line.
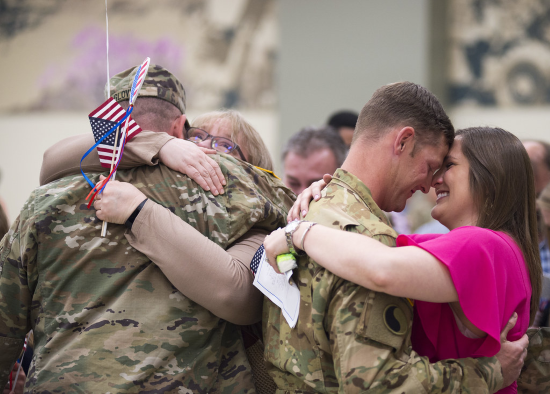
357,356
63,158
18,279
404,272
219,280
146,148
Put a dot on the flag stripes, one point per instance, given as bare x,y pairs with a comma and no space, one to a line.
102,119
140,77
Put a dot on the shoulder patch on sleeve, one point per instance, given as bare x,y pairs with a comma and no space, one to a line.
385,319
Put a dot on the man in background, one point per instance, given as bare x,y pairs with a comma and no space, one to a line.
309,154
539,153
344,123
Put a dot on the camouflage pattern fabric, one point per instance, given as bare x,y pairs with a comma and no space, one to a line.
105,318
159,82
350,339
535,375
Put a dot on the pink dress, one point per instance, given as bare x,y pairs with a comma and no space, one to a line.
492,282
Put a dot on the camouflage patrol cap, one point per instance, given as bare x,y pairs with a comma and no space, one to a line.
159,82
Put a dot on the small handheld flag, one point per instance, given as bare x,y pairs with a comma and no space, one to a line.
138,80
102,120
255,263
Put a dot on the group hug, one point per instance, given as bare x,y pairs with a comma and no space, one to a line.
165,302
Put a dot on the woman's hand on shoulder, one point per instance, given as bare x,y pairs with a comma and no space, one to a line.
117,201
313,192
192,160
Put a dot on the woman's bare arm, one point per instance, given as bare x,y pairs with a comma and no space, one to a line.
404,272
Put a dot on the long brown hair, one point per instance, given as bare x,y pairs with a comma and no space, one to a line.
503,185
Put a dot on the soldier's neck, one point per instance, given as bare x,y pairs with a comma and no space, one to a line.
372,165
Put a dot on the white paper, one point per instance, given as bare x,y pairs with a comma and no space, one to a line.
280,289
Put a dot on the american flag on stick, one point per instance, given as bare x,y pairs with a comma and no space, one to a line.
138,80
102,119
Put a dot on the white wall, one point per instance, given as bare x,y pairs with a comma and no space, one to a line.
525,123
23,140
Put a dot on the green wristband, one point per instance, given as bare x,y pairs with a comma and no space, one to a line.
286,262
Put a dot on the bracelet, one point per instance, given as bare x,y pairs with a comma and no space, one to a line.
304,235
289,232
130,221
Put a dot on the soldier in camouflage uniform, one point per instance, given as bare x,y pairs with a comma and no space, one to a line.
535,375
349,339
105,318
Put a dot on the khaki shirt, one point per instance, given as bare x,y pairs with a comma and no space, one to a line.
350,339
105,318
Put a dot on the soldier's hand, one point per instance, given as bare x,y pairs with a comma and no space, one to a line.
117,202
512,354
192,160
313,192
274,245
20,384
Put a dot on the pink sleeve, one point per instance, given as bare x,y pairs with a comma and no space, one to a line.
490,277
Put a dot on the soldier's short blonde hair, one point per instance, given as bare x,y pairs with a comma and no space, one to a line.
242,133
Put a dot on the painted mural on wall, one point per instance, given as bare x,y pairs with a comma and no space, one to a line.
500,52
222,50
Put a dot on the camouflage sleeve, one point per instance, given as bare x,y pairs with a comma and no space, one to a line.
18,252
63,158
535,375
365,358
186,256
362,361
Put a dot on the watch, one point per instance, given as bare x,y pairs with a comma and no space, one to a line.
289,231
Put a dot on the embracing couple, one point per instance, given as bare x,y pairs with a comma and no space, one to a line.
453,297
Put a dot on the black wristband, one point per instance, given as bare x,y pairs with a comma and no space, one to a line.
130,221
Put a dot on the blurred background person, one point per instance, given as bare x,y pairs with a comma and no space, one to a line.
543,204
344,123
539,153
309,154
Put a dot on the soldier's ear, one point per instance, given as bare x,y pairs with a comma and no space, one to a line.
178,125
404,140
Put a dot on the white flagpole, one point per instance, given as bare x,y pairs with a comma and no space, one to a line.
104,225
113,161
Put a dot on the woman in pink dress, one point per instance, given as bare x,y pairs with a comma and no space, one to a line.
466,284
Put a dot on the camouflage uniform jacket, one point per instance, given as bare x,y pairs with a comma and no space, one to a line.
535,375
105,318
350,339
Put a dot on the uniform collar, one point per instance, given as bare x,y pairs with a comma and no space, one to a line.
360,190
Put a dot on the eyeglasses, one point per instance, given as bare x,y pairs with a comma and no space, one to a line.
221,144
